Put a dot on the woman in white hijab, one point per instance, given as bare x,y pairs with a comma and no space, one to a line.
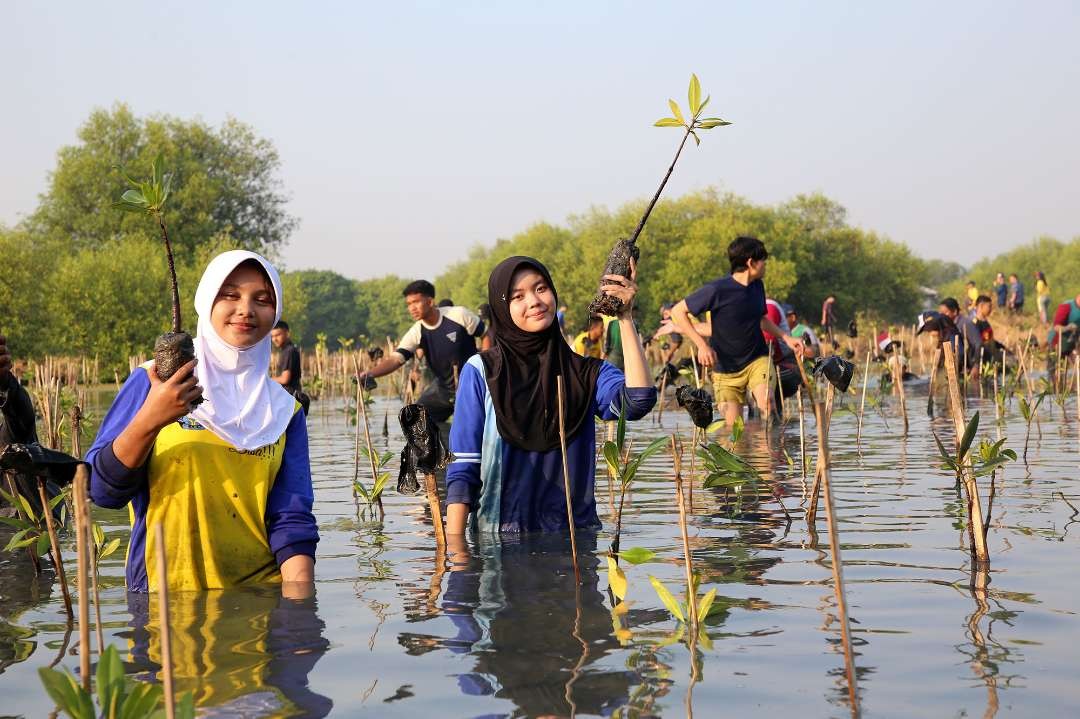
229,479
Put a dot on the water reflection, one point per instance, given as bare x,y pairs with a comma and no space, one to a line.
534,640
243,652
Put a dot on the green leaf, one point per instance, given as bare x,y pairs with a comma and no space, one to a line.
134,197
715,426
143,700
44,544
694,95
66,692
109,548
99,534
705,604
15,522
13,543
697,140
652,448
941,448
667,599
710,124
969,435
185,706
110,679
675,111
611,456
1009,453
703,104
667,122
637,555
380,484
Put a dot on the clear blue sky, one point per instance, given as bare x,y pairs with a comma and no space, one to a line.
410,131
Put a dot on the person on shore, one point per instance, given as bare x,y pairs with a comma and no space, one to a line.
1042,296
1001,290
828,319
507,472
803,333
1016,294
736,347
589,342
972,292
290,370
218,453
447,336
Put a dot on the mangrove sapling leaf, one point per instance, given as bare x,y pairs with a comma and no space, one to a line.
969,436
616,578
706,604
618,260
637,555
65,691
668,599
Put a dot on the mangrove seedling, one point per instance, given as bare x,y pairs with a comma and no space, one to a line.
118,696
373,496
175,348
624,468
30,530
618,261
1030,412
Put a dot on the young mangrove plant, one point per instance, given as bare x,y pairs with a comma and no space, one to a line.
373,495
968,466
1030,410
175,348
118,696
618,261
624,469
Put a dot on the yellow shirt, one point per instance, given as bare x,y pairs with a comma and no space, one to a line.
587,347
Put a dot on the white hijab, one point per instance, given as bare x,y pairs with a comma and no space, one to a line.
242,406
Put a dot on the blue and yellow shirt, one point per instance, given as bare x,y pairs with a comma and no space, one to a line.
230,517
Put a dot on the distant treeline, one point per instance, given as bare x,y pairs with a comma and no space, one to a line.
80,278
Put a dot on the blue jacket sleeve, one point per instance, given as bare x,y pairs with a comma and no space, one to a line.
612,393
112,484
290,523
466,438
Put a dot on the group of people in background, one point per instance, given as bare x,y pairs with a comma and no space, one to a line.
1009,294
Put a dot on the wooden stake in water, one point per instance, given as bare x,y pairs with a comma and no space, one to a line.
930,389
802,437
862,402
975,515
566,476
834,546
898,382
58,560
436,510
163,620
82,541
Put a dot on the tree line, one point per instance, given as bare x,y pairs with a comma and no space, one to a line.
80,278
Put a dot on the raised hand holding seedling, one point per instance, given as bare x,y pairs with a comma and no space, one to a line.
626,251
176,348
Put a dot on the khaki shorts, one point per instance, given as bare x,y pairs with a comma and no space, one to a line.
731,387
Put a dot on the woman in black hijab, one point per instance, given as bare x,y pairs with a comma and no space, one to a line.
507,469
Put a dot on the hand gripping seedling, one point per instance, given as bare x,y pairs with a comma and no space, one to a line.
618,261
173,349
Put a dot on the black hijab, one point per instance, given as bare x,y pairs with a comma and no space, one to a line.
522,368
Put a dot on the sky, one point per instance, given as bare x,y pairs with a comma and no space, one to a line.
410,131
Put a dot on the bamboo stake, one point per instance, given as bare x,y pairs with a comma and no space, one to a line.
691,595
58,559
82,539
163,620
566,476
898,382
930,390
975,516
660,401
862,404
826,416
367,437
802,438
436,510
834,547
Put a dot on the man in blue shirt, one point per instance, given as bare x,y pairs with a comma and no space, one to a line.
736,348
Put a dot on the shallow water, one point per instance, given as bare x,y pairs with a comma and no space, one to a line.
499,630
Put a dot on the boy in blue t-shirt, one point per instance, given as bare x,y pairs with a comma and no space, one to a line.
735,349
